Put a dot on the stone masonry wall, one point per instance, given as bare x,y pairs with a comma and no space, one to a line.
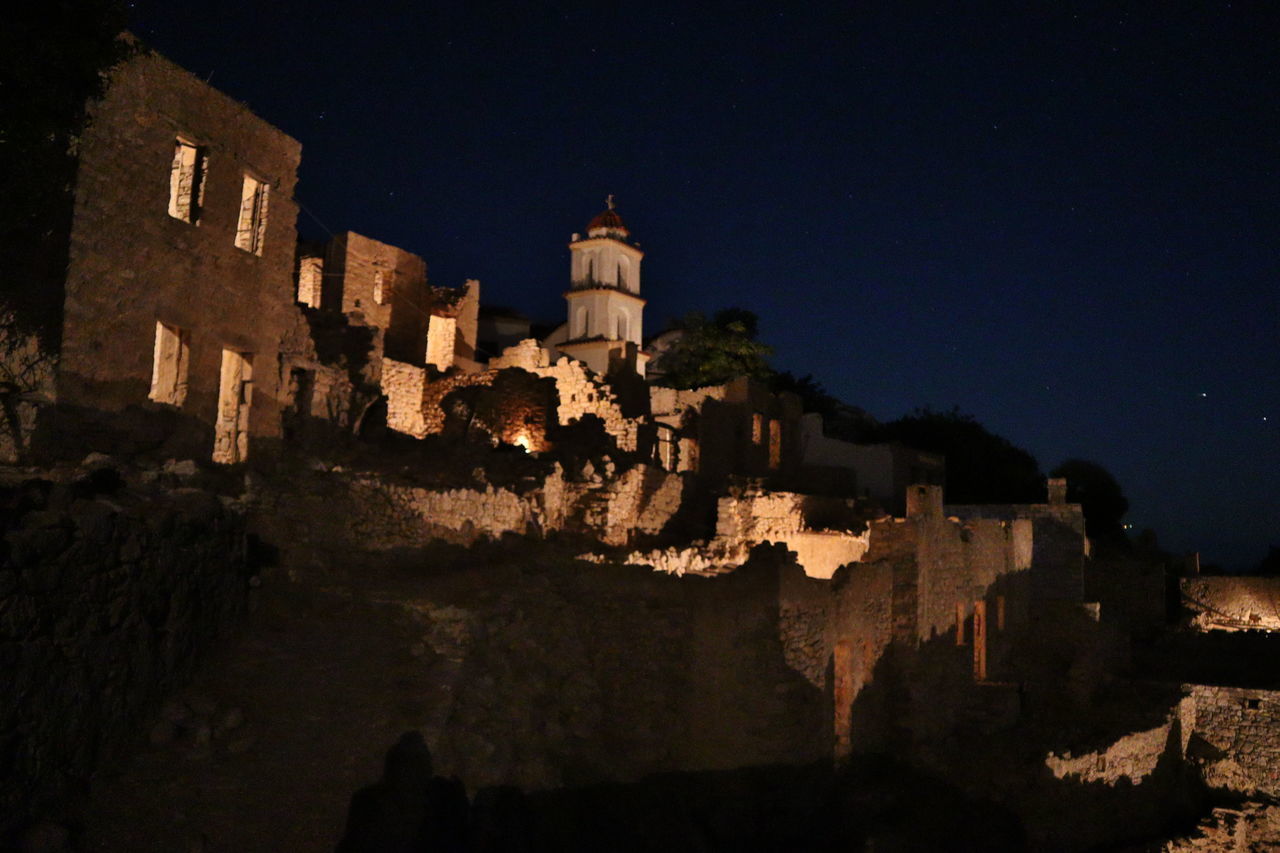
404,386
383,286
1237,743
106,603
134,263
579,392
958,563
861,629
641,501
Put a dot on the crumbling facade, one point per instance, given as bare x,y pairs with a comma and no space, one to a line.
179,311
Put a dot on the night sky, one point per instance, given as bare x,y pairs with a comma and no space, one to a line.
1061,218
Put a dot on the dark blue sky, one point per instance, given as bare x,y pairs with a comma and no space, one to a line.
1063,219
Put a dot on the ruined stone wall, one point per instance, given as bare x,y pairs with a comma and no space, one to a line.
1129,759
958,562
383,286
807,625
670,404
744,519
331,397
468,316
1059,546
747,518
1233,603
862,629
106,604
514,418
132,263
640,502
1237,744
759,515
564,672
405,387
735,429
437,390
945,565
399,516
579,392
1251,826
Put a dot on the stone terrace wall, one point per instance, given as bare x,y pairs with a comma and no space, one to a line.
573,674
106,604
639,502
393,516
1233,603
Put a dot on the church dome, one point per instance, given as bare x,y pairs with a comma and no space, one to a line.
607,223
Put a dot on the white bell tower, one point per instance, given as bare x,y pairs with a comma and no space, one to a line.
605,308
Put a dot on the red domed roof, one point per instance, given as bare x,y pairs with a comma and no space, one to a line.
607,221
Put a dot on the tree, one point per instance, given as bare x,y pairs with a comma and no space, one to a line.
715,351
1270,564
1101,498
810,391
982,467
53,59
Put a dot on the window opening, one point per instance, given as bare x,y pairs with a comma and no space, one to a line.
169,366
252,225
310,281
235,395
186,181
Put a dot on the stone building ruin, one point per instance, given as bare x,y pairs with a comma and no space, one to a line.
198,325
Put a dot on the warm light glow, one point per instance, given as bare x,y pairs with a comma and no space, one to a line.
523,442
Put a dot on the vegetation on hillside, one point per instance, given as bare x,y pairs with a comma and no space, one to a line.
712,351
982,467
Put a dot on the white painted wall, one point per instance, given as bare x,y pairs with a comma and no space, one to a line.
602,260
602,310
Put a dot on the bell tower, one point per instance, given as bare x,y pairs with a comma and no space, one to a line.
605,308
